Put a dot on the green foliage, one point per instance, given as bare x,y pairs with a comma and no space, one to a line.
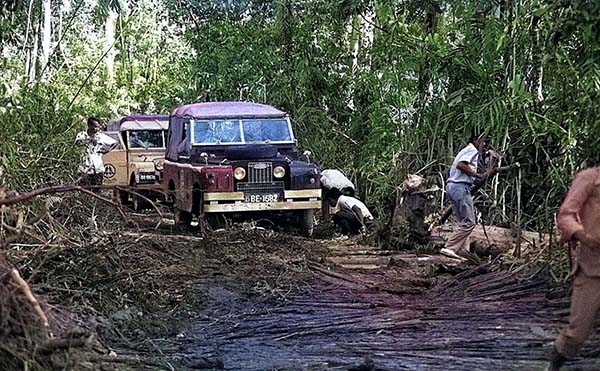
41,111
376,88
369,81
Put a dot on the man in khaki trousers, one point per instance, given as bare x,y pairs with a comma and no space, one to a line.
579,220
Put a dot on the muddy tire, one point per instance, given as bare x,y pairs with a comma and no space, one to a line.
307,220
123,197
139,203
182,219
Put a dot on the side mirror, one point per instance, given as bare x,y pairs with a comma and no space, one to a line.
307,155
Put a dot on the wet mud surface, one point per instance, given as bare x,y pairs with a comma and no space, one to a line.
249,298
400,315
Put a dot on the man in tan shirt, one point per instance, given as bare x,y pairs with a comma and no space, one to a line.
579,220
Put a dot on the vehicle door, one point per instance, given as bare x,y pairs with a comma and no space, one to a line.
115,162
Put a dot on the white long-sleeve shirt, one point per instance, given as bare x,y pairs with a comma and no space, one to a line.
95,146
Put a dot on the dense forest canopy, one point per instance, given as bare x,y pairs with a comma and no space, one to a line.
376,88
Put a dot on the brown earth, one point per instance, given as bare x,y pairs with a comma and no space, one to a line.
249,298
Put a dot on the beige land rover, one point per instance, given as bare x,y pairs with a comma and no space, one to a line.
137,161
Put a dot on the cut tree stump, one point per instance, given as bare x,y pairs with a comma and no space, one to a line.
412,208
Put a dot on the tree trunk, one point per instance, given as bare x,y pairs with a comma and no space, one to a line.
109,41
65,7
368,25
46,32
26,47
492,240
34,54
425,80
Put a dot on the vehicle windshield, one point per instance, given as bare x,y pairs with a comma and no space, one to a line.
216,132
241,131
146,139
266,131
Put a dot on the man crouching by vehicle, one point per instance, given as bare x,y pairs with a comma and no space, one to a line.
334,182
96,144
353,217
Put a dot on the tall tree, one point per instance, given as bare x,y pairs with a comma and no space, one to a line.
46,35
110,11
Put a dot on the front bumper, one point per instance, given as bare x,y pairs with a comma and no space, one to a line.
153,186
223,202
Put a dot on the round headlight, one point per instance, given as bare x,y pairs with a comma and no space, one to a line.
158,163
239,173
279,172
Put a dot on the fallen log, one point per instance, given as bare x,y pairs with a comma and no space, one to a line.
19,198
492,240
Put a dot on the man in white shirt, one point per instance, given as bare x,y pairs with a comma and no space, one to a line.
353,216
96,144
334,181
462,175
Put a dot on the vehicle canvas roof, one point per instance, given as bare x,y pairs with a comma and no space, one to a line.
225,110
140,122
144,118
144,125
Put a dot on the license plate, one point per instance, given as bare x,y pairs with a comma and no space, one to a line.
147,178
261,197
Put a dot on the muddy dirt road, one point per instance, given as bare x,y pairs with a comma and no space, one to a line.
252,299
287,303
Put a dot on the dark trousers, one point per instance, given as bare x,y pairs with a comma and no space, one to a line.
347,221
346,191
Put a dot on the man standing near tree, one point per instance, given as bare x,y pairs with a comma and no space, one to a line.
579,221
462,175
96,144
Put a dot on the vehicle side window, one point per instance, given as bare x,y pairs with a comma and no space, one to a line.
183,146
115,136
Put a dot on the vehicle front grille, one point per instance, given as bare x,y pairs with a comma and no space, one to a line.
260,187
260,172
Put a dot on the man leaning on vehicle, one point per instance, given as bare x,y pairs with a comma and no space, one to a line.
96,144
